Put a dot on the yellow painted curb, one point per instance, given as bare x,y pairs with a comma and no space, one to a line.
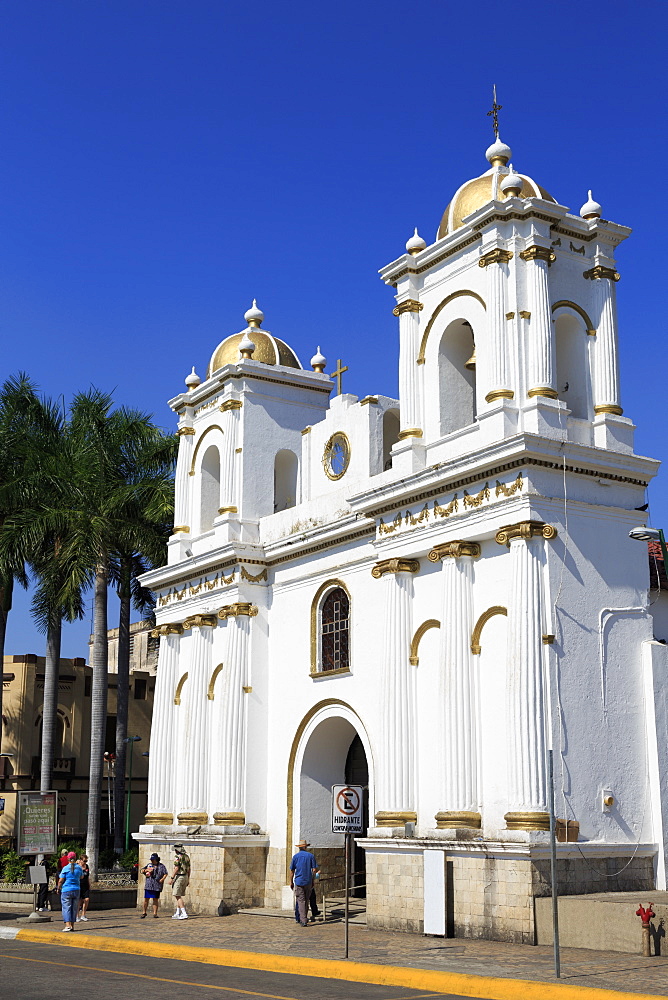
355,972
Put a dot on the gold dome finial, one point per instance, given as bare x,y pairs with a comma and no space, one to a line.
192,380
318,362
254,316
246,346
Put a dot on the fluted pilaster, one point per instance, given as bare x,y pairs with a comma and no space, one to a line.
459,693
182,513
396,793
527,795
193,749
228,487
228,725
606,365
163,751
408,312
541,365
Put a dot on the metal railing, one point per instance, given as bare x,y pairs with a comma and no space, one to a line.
330,895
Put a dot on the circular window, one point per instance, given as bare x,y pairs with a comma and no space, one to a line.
337,456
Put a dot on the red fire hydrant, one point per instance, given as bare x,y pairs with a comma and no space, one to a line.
645,915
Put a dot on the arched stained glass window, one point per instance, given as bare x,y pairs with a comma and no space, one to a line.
334,631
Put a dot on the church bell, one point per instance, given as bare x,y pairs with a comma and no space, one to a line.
470,364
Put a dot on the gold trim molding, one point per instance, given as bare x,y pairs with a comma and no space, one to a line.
240,608
452,820
211,427
527,821
179,689
496,256
229,819
395,566
408,306
524,314
159,819
455,549
525,530
228,510
495,394
537,252
212,682
446,301
326,456
617,411
192,818
414,659
320,593
169,628
510,315
368,399
497,609
548,639
410,432
185,432
395,818
600,271
181,527
200,621
230,404
569,304
543,390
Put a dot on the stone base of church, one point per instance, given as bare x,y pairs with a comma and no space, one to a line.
489,888
228,871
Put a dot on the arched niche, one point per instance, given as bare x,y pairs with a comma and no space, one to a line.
456,381
572,362
390,435
286,479
209,476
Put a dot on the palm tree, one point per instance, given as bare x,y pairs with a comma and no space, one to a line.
124,473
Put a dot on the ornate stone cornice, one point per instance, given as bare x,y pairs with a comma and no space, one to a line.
171,628
525,530
599,271
230,404
185,432
240,608
408,306
200,621
455,550
496,256
537,252
395,566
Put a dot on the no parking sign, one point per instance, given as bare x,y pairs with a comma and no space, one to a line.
347,808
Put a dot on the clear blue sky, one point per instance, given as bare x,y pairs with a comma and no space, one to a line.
162,162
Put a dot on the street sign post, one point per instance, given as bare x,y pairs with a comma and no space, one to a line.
37,827
347,803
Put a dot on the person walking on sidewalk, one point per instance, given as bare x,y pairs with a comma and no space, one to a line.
180,881
68,887
303,867
84,888
155,874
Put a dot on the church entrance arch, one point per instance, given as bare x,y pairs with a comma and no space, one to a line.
332,748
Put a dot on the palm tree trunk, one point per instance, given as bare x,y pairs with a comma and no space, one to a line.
122,696
50,706
5,605
98,715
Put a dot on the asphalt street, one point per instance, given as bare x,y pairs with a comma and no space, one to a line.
31,971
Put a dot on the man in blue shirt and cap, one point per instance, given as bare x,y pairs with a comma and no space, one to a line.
303,867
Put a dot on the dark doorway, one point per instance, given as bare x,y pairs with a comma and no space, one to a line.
357,773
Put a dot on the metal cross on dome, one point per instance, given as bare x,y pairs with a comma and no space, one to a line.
340,369
494,115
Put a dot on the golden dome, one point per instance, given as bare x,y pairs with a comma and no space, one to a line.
269,350
478,192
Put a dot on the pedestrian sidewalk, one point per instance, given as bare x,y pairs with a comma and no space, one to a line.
255,941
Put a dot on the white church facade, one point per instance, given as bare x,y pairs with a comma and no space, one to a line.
420,595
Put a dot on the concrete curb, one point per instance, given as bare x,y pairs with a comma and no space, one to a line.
355,972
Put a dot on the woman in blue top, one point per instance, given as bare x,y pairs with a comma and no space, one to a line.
69,885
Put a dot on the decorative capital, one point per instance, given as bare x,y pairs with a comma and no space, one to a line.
230,404
408,306
525,530
185,432
496,256
240,608
171,628
200,621
525,314
454,550
395,566
536,252
599,271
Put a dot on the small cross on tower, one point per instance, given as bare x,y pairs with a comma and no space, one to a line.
340,369
494,114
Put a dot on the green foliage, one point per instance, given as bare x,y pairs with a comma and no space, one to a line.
129,858
107,858
12,867
70,845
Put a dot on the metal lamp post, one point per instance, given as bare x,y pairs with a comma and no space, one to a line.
131,740
651,535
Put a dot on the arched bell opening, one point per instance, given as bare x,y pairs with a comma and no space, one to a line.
390,436
573,382
209,488
286,477
457,377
